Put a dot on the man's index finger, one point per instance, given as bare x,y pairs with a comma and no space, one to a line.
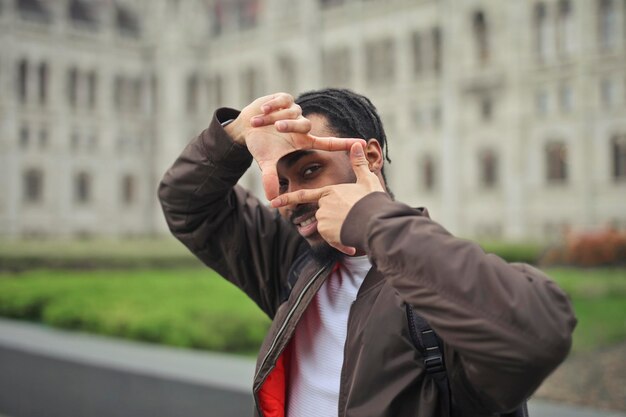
298,197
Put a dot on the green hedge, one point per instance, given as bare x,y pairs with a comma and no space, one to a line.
195,308
192,308
163,252
515,252
157,253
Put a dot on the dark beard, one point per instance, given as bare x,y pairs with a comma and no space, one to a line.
323,253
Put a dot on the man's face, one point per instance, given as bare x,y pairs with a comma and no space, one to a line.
309,169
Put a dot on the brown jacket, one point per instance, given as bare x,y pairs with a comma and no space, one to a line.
505,326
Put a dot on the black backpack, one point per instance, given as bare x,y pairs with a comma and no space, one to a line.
428,343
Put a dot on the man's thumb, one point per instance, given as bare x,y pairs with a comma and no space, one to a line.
360,165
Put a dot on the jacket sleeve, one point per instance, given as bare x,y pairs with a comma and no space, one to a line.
509,325
221,223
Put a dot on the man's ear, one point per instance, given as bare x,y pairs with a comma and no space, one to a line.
374,155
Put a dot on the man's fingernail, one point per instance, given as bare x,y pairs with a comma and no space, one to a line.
281,125
358,151
266,108
256,121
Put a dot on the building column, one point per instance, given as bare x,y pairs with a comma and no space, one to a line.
450,181
512,170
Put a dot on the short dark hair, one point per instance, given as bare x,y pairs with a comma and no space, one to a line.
349,114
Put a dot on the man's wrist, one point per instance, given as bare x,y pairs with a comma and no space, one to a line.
229,120
354,229
234,130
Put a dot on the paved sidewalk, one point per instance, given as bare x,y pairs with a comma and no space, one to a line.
227,372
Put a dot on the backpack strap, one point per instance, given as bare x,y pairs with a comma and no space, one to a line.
522,411
428,344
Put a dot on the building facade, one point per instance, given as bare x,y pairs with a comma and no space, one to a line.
506,119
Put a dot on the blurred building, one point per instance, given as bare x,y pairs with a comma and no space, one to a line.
506,118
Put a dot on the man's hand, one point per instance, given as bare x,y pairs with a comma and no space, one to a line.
273,126
276,109
335,201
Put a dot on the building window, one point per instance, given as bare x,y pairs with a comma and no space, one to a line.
22,81
541,103
154,93
435,116
43,83
607,23
33,10
92,89
481,37
486,109
241,14
82,12
556,162
437,45
565,28
618,150
287,73
127,22
192,93
250,85
607,93
118,91
128,189
380,63
428,173
336,68
215,91
75,141
330,3
488,165
82,188
566,100
24,137
417,115
137,92
416,49
218,17
541,30
43,139
72,87
247,13
93,142
33,186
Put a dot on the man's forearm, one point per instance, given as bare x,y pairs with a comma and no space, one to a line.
202,176
510,324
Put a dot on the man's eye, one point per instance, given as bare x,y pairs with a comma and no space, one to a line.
282,186
310,170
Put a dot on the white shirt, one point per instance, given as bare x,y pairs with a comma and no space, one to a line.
317,355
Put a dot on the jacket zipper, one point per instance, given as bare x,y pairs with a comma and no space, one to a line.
281,330
340,403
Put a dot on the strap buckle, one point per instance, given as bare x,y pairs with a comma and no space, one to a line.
434,364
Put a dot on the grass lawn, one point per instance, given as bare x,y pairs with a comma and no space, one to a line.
193,307
599,298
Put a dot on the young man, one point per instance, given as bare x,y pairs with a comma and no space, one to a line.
339,261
